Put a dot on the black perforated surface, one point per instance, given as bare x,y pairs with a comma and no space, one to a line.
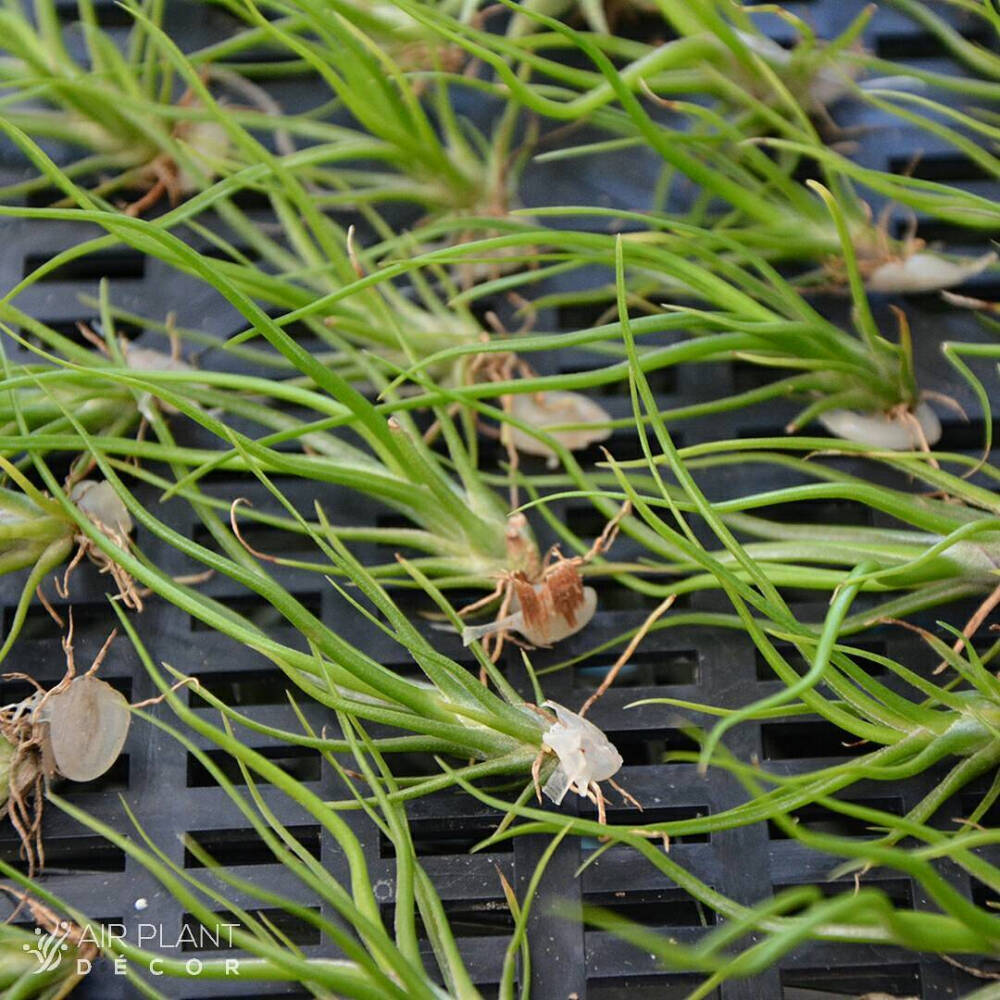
171,795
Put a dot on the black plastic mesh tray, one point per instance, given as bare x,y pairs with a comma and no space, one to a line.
166,789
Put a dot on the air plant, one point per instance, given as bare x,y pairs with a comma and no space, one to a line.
451,711
34,531
767,209
340,667
122,107
914,734
104,408
859,385
463,528
705,48
816,71
373,957
909,735
40,534
311,273
785,921
385,962
426,155
946,546
942,549
463,525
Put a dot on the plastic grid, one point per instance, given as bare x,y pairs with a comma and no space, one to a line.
166,790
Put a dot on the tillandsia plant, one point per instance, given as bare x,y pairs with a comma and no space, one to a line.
378,953
944,547
412,145
141,136
308,272
452,711
805,912
938,725
367,958
718,50
860,385
965,725
861,913
30,403
767,209
462,525
39,535
452,708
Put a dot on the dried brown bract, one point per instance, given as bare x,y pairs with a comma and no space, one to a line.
547,607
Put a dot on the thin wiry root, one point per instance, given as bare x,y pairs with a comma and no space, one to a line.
187,579
149,702
609,678
483,601
970,303
972,625
25,792
664,838
234,524
536,774
128,593
44,601
497,639
134,209
970,629
971,970
627,798
945,400
62,587
596,796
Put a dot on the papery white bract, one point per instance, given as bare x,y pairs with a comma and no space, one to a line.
88,724
926,272
147,359
102,505
552,409
887,432
586,755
